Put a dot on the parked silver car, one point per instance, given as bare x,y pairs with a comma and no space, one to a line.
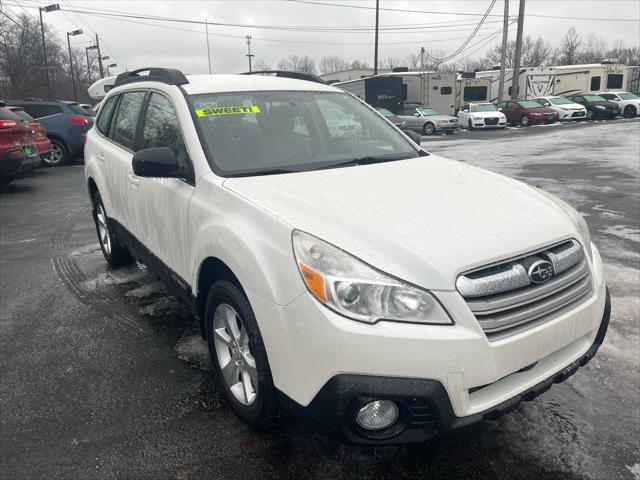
427,121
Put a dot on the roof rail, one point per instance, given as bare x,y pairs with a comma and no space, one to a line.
286,74
170,76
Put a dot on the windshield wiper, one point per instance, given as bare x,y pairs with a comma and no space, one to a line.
366,160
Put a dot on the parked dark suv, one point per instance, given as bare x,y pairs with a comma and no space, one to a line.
66,124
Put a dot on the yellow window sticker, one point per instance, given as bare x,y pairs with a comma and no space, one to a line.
207,112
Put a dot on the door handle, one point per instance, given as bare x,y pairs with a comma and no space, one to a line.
133,180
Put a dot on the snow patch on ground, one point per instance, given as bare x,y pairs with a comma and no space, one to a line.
635,471
623,231
147,290
192,348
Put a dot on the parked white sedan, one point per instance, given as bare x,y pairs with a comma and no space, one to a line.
567,109
629,102
481,115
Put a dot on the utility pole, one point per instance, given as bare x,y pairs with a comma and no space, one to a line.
503,55
515,83
249,55
206,27
422,75
99,57
48,8
73,77
86,50
375,55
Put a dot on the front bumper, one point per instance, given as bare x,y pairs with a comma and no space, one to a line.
451,127
311,349
29,163
10,164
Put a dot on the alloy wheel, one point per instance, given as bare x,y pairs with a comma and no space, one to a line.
237,364
524,121
55,157
429,129
103,229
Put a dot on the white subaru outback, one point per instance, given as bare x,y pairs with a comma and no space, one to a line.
384,293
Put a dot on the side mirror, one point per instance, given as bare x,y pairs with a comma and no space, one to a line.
415,137
465,110
500,109
158,162
416,114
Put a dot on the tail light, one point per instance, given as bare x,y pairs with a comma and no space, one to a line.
79,120
8,124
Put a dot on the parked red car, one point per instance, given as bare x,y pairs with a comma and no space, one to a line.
39,134
527,112
16,145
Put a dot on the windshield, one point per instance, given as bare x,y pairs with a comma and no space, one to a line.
385,112
483,107
427,112
529,104
627,96
76,108
560,101
594,98
253,133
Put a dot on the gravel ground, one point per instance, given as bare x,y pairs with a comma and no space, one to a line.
103,374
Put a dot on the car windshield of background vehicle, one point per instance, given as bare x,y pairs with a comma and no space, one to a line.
594,98
529,104
560,101
385,112
427,112
6,114
259,133
627,96
485,107
76,108
23,115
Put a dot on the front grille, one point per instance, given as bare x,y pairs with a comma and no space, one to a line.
579,113
491,121
505,300
420,412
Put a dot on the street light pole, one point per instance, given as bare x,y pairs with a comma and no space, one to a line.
515,81
375,55
73,78
249,54
48,8
206,29
86,50
99,57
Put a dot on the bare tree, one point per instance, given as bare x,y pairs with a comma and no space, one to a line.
390,63
333,63
569,50
297,63
260,65
536,53
413,61
359,64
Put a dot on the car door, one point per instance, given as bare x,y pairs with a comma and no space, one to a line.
162,210
412,117
117,153
463,114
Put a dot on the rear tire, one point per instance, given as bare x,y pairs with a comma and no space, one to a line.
629,111
59,154
524,121
428,129
246,381
115,254
470,125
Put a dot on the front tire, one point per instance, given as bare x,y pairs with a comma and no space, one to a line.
239,357
590,115
428,129
629,111
59,154
524,121
470,125
115,254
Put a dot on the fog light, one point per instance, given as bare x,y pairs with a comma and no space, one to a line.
377,415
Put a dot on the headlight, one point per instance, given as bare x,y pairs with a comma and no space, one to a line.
576,218
354,289
600,107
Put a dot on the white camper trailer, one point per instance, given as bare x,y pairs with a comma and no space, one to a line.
469,88
534,82
432,89
633,79
590,78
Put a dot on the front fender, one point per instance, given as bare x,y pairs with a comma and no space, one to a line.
253,243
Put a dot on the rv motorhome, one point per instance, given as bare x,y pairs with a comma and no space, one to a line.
431,89
378,91
469,88
533,81
590,78
98,89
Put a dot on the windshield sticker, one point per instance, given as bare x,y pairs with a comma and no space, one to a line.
207,112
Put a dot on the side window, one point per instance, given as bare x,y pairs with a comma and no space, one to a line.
595,83
102,123
608,96
446,90
614,80
407,111
123,130
39,111
161,128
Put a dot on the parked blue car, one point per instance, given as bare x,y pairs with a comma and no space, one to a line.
66,124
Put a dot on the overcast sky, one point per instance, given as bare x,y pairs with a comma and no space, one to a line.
135,45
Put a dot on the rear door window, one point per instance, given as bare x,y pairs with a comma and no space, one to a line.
161,128
104,118
40,111
123,130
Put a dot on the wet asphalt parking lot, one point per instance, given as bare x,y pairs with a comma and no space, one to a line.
103,374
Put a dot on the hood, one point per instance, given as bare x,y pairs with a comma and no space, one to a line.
424,220
605,103
495,113
440,117
571,106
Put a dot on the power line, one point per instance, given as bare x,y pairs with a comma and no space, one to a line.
431,12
